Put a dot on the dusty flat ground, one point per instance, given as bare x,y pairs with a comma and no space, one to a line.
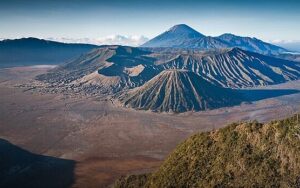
109,141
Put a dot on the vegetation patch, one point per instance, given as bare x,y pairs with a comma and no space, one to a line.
248,154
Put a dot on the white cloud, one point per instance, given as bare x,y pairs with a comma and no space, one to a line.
109,40
293,45
280,41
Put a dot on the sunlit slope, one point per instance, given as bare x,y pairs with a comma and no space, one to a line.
239,155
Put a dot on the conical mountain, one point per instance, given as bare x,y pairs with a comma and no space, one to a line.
179,91
176,36
184,30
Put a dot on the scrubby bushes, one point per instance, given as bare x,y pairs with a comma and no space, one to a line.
240,155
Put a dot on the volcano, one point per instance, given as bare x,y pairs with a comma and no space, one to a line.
179,91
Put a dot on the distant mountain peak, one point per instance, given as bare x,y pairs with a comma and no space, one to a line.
251,44
183,28
228,35
233,38
174,37
231,34
183,36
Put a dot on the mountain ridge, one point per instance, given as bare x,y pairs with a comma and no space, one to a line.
237,68
33,51
227,40
251,44
111,69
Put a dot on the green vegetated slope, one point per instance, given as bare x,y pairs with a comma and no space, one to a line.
240,155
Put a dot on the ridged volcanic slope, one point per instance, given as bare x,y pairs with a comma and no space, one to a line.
179,91
237,68
107,69
110,69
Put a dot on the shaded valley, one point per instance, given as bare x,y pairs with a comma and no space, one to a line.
20,168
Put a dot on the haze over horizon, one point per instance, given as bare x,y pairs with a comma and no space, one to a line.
133,22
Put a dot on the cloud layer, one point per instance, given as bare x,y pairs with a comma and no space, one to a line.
109,40
293,45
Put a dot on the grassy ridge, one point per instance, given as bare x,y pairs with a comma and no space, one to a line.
240,155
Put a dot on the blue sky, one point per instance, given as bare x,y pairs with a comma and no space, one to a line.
90,19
